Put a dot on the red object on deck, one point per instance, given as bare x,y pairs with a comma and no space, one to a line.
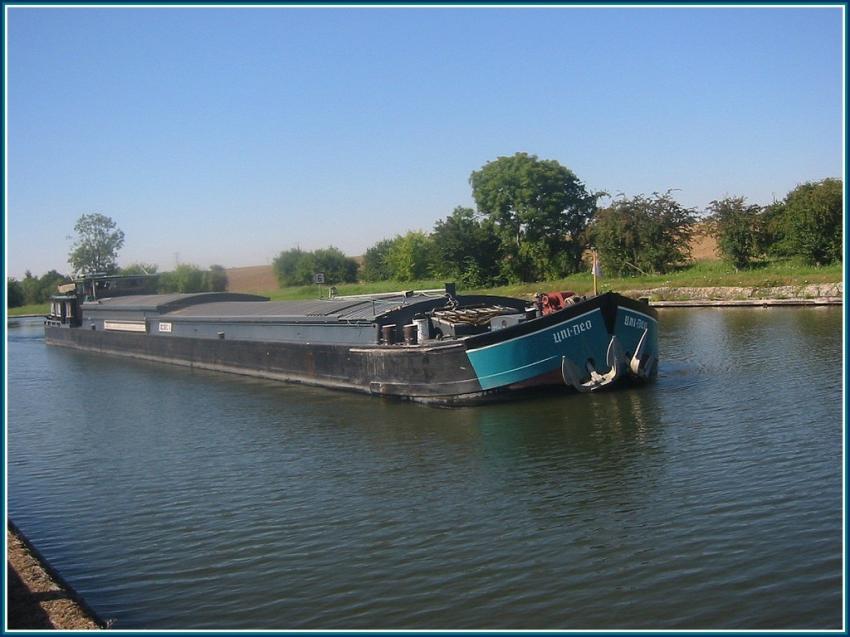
554,301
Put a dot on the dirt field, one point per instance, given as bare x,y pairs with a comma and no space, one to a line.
261,278
703,247
255,278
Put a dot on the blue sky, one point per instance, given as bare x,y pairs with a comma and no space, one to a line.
225,135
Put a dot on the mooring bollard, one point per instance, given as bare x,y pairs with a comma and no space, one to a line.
388,332
410,334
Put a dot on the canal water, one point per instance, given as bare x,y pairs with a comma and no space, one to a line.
172,498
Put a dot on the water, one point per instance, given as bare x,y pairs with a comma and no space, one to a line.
178,499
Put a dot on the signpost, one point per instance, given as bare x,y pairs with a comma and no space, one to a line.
318,279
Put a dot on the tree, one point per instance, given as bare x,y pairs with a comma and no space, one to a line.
14,293
467,249
739,230
138,268
812,221
411,257
185,278
650,234
215,279
336,267
773,230
38,290
375,261
96,248
285,266
539,209
297,267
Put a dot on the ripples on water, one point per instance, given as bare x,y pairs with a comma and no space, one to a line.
172,498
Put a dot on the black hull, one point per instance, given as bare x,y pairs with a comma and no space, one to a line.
439,374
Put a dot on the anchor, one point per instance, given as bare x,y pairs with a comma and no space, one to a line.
615,359
642,365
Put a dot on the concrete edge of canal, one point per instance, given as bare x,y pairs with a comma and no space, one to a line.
829,300
37,597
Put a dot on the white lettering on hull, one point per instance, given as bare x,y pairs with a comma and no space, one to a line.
631,321
571,330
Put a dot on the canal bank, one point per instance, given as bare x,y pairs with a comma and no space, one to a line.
738,296
37,596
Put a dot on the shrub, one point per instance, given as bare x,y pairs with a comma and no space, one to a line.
185,278
14,293
812,221
648,234
215,279
285,266
738,229
467,250
411,257
297,267
138,268
38,290
336,267
375,266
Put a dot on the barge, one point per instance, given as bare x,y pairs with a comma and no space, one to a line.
434,346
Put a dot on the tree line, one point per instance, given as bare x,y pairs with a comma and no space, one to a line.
95,250
535,220
32,290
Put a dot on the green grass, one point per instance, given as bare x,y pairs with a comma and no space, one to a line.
700,274
40,308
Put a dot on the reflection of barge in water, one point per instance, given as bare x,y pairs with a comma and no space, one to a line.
429,347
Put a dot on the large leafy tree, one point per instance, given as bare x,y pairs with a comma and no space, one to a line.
539,209
97,244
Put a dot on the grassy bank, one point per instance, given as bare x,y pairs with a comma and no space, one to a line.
701,274
41,308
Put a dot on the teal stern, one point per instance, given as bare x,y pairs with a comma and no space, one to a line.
583,340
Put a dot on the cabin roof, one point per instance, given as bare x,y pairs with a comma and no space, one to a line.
314,309
223,305
166,302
